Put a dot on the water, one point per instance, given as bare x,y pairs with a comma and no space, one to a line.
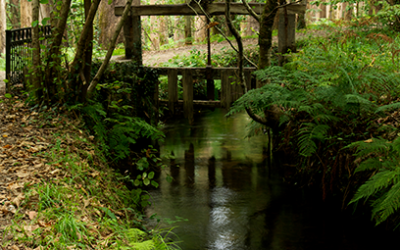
223,197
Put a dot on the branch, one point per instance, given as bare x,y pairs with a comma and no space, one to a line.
281,6
251,11
220,32
256,117
80,49
104,65
239,42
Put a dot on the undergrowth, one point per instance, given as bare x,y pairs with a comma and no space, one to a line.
333,93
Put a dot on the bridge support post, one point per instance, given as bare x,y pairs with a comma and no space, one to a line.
226,88
172,89
133,37
187,81
286,35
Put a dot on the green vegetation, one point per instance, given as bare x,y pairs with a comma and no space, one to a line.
334,95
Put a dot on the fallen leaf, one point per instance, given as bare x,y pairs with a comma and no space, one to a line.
17,200
368,141
7,146
31,214
5,136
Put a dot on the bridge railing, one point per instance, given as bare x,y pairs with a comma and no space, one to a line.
230,90
18,52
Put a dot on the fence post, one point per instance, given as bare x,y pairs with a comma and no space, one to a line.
172,89
133,37
8,57
226,89
187,95
286,34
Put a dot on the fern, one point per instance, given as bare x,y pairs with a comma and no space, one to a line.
308,134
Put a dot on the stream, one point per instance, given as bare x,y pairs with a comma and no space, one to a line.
223,195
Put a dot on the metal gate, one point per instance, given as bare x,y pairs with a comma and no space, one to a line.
19,53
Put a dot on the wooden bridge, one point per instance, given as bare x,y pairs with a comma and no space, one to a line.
230,91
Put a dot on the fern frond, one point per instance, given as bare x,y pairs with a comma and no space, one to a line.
389,205
373,145
377,182
369,164
388,107
308,134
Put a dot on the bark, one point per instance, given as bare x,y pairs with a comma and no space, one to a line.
36,78
201,28
238,38
188,28
108,22
265,37
87,60
53,58
301,18
44,11
154,30
3,25
104,65
81,46
14,11
26,13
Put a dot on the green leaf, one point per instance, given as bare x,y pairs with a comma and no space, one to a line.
169,178
7,95
144,175
146,182
44,21
136,182
35,23
44,2
151,175
154,183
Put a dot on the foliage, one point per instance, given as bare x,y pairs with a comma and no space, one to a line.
331,93
381,157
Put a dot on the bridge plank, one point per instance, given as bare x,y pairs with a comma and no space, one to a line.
172,89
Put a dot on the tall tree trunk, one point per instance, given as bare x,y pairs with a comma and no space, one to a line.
14,11
188,29
26,13
108,22
301,18
44,11
265,37
179,33
201,28
154,30
163,21
3,25
322,7
36,78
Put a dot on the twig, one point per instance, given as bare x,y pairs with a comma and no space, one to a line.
220,31
251,11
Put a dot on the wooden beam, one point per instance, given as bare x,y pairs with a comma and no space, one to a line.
198,72
196,103
193,9
172,90
187,81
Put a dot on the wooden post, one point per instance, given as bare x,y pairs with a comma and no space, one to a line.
187,95
247,77
286,35
133,37
226,89
172,89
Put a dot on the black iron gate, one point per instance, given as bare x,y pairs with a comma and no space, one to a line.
18,52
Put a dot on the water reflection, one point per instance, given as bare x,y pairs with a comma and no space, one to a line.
222,186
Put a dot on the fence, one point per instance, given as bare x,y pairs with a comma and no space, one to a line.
18,52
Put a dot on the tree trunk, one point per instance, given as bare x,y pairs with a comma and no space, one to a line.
108,22
154,30
103,66
301,18
3,25
36,62
44,11
26,13
265,37
14,11
322,7
179,33
188,29
201,28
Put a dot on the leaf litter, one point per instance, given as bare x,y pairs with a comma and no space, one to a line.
27,142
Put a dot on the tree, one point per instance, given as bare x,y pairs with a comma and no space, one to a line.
3,25
26,13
